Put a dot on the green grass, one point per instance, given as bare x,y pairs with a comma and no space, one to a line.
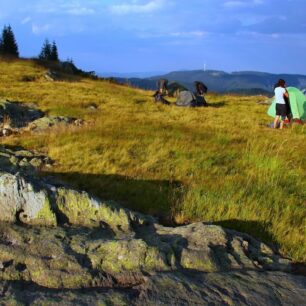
218,164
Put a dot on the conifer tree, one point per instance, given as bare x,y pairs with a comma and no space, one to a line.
8,44
49,52
45,53
54,52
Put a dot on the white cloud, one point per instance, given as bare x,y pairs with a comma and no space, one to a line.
40,29
76,8
242,3
26,20
80,11
137,7
71,7
179,34
189,34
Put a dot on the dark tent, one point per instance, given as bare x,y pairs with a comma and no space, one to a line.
188,99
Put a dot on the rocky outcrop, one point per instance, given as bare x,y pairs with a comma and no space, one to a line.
85,266
19,159
18,117
47,122
18,114
87,251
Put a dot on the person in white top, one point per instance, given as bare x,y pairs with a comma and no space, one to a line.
281,94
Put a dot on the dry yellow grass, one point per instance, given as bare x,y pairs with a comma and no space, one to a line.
219,164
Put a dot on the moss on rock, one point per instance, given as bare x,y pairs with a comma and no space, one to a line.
83,210
127,255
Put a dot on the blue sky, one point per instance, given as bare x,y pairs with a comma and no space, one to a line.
165,35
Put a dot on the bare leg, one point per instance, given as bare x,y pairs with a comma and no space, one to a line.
276,122
281,125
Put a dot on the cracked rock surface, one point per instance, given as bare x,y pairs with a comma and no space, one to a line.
60,246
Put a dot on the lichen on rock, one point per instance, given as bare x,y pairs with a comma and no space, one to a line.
83,210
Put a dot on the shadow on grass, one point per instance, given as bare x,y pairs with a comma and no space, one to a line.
217,104
154,197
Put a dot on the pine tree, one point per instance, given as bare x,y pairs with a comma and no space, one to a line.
46,50
49,52
54,52
8,44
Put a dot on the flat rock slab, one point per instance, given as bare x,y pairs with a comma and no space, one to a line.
236,288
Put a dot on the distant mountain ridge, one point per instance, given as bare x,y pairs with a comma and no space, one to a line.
246,82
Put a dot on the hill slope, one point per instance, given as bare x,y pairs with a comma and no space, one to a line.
219,164
247,82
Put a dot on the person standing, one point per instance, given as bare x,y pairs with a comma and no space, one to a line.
281,94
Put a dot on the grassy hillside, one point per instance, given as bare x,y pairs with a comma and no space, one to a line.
219,164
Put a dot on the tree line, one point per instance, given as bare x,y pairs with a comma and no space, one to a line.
9,47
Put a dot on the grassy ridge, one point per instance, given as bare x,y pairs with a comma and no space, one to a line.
219,164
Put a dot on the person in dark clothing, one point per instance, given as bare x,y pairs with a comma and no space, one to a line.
201,88
162,90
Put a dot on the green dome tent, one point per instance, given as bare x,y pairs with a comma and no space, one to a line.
297,104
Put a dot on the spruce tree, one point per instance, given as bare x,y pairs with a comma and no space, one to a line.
45,53
8,44
49,52
54,52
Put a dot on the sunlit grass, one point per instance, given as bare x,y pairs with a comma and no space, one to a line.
217,164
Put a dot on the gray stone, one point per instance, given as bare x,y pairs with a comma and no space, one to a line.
36,162
4,154
14,160
23,153
47,122
24,163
